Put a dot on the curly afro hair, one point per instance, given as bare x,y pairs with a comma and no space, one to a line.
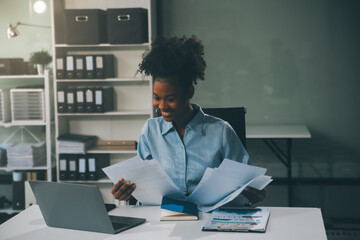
178,58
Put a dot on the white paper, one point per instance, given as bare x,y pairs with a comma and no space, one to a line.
217,187
152,182
227,178
259,183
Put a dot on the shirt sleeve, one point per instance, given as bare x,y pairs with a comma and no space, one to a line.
143,145
232,147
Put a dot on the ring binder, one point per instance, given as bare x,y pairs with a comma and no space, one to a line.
79,67
80,100
70,67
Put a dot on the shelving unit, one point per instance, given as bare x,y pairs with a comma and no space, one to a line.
25,81
133,92
41,129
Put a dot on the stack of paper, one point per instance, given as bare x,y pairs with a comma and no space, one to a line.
76,143
218,186
27,155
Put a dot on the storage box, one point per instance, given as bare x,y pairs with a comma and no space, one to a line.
12,66
127,25
85,26
27,104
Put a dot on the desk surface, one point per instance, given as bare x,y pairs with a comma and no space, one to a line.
277,131
285,223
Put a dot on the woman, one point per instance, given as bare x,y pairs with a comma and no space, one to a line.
184,140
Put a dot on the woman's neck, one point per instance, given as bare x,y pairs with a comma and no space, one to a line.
180,124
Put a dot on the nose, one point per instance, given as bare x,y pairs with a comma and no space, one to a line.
162,104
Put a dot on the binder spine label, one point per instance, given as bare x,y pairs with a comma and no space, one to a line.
79,64
70,63
99,62
89,63
70,98
79,96
98,97
61,97
59,64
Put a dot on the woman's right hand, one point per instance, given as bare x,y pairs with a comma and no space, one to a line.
122,190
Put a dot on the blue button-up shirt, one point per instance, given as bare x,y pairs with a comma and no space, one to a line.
207,141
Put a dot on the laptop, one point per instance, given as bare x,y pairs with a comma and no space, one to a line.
78,206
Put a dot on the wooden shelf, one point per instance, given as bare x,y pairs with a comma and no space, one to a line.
113,151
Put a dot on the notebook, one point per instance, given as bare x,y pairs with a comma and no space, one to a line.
77,206
174,210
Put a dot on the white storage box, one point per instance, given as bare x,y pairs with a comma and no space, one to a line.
4,106
27,104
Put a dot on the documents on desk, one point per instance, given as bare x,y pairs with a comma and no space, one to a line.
238,220
217,187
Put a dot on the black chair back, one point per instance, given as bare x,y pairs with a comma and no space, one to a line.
235,116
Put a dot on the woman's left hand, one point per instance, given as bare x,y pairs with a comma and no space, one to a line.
254,195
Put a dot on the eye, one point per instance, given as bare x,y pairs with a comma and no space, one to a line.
156,98
172,99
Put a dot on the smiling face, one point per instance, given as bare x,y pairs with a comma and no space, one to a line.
171,99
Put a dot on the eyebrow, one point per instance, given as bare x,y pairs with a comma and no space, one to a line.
170,95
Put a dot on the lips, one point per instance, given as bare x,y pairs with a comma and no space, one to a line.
165,114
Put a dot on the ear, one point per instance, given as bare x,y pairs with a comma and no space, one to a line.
190,92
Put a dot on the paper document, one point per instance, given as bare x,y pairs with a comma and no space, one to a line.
152,182
217,187
252,220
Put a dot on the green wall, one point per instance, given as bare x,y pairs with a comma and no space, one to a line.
31,38
287,62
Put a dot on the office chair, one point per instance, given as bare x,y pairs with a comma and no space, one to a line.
235,116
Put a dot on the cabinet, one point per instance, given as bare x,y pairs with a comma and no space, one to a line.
14,131
132,92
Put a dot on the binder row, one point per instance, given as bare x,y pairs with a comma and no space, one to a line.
85,99
85,66
82,166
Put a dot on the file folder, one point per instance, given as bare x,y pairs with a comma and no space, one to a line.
61,99
83,171
60,68
104,66
80,100
73,167
79,67
70,67
89,67
70,100
63,167
96,162
104,99
89,100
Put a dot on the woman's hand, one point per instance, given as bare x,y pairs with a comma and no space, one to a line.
254,195
122,190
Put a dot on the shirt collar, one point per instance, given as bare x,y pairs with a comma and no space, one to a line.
196,123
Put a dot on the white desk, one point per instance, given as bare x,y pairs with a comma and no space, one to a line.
270,133
284,224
